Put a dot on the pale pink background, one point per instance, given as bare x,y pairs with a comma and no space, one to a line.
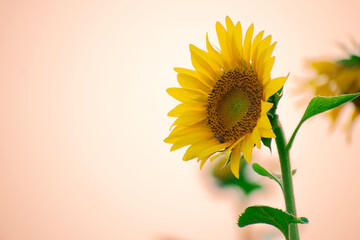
83,117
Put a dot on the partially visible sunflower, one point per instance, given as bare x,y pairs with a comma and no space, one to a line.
335,77
224,106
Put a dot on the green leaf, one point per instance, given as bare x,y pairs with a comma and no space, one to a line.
263,172
321,104
268,215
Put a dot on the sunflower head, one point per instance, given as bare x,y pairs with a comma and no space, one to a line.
224,101
335,77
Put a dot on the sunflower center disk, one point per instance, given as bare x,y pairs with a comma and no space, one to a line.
234,105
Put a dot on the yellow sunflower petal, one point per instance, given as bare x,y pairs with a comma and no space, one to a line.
237,40
264,122
213,149
255,44
229,149
195,149
247,147
265,43
186,95
190,118
256,137
190,139
176,111
223,41
203,161
175,133
235,161
229,25
232,49
203,149
221,161
267,133
247,44
202,77
215,156
273,86
264,72
263,60
190,82
201,63
265,106
180,131
215,55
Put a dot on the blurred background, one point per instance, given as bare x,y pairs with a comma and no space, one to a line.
83,117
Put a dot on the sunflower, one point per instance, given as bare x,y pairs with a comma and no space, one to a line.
224,106
338,77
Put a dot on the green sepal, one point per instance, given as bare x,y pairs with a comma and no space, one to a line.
266,142
268,215
321,104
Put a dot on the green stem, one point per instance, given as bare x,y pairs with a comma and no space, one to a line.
286,175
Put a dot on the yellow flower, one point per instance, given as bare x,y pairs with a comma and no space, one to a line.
335,78
224,100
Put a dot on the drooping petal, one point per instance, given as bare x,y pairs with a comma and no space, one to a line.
203,161
235,161
215,148
229,149
202,149
256,137
247,147
215,156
